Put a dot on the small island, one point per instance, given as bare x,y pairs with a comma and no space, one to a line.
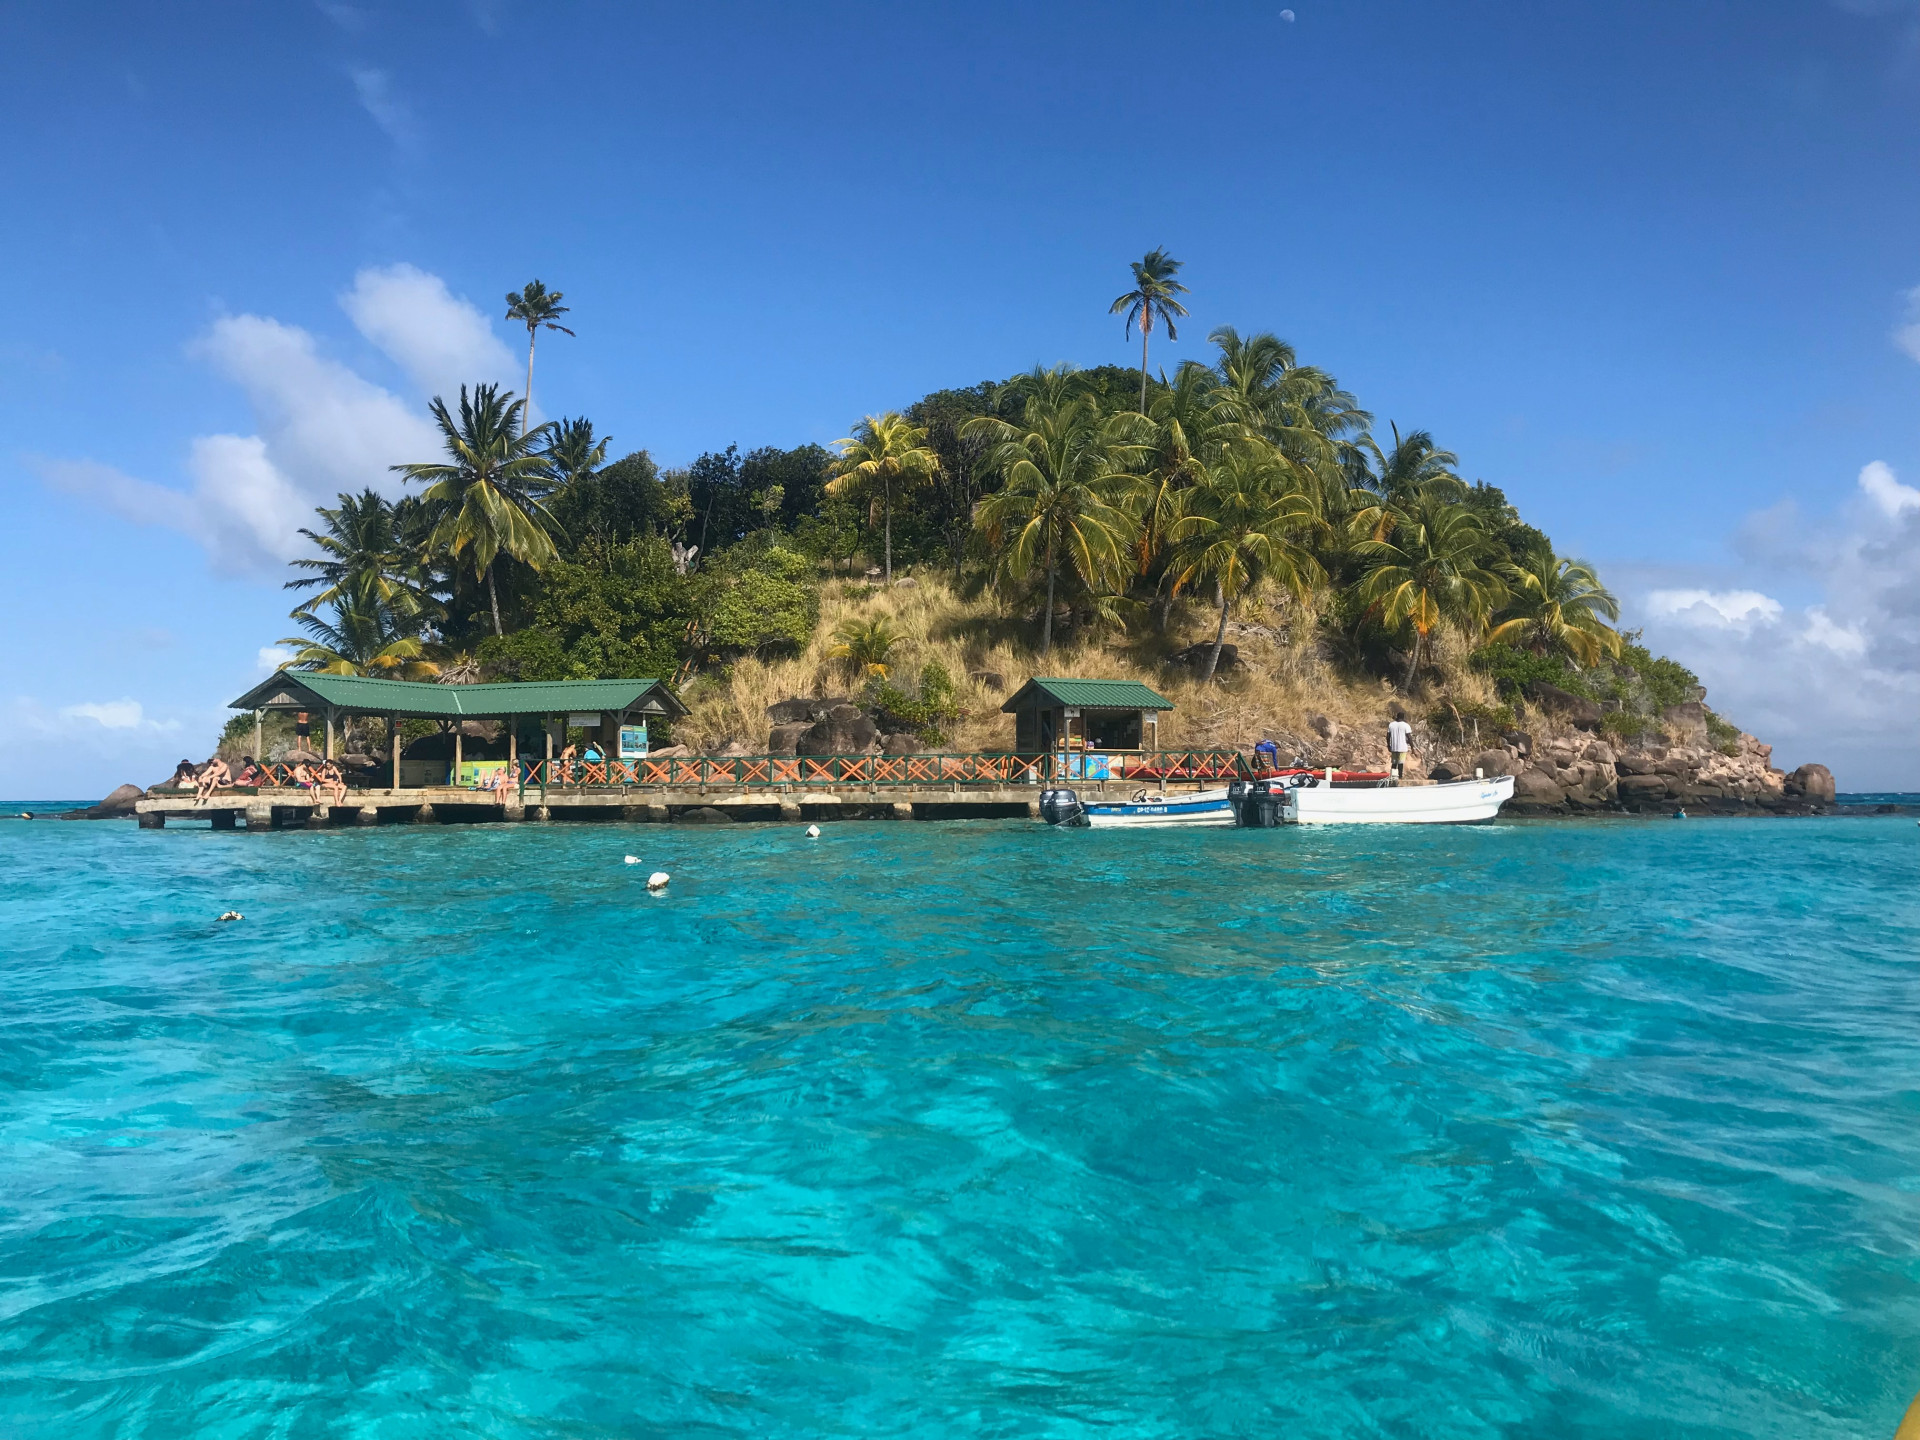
1239,534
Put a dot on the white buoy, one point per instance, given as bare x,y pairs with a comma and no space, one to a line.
233,915
813,832
658,880
633,859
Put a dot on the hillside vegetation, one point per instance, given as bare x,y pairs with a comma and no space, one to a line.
1237,534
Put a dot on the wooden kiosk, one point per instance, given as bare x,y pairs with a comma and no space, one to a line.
1085,722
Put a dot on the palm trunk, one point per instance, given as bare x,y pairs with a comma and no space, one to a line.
1046,629
1219,635
1144,328
494,596
1413,662
526,417
888,492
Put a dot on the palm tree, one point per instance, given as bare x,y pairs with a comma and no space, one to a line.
1559,605
1246,523
866,646
1063,502
1184,430
1414,465
1427,564
487,490
572,452
534,307
885,457
1151,298
365,559
360,640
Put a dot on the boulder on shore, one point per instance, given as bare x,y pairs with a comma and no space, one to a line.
782,739
900,742
1576,710
1536,790
117,806
803,707
1811,783
843,730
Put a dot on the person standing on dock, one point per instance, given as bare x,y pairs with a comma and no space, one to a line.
1399,740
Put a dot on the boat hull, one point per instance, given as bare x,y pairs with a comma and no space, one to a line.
1454,802
1206,807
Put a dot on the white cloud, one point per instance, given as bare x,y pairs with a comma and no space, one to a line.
1836,678
440,341
113,714
391,113
1841,639
117,715
1878,481
272,657
1717,609
321,427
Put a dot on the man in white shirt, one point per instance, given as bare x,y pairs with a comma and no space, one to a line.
1399,738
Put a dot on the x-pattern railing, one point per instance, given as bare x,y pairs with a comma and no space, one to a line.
750,772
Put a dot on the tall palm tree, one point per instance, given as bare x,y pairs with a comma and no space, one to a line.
1184,431
1428,563
487,490
1247,522
365,559
535,307
1559,604
361,639
885,457
1063,501
1151,299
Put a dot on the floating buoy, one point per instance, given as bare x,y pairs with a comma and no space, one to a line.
813,832
633,859
658,880
233,915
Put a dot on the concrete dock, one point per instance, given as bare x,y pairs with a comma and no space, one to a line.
292,808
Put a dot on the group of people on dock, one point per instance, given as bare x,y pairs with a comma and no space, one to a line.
323,781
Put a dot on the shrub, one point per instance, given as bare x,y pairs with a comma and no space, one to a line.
1470,721
1625,725
925,713
1725,737
1513,669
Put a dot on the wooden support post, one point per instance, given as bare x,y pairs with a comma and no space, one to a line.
458,754
393,739
513,752
259,736
329,732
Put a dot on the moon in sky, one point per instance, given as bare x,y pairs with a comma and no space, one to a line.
1287,15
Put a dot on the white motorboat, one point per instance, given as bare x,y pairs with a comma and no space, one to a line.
1143,807
1315,799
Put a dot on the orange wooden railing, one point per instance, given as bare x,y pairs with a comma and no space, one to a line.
764,771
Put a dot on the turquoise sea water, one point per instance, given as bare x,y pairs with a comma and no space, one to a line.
1595,1129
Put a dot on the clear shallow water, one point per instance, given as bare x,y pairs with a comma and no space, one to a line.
1600,1129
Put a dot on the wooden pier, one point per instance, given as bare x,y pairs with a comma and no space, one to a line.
293,808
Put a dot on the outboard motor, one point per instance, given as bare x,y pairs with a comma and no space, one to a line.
1062,807
1256,803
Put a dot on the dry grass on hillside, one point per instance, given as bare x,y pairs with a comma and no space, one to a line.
1285,685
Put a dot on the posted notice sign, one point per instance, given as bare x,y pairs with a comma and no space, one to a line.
633,741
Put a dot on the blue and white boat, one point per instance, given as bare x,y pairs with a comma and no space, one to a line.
1143,807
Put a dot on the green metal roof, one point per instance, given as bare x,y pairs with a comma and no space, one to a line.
1046,691
304,690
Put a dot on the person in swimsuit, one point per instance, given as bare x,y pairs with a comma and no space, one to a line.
214,777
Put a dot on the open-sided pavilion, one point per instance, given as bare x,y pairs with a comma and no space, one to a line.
600,706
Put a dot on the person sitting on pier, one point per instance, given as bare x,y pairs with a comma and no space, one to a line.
184,774
332,782
250,773
214,776
495,783
302,776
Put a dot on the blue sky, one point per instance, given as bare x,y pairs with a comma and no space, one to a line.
1646,266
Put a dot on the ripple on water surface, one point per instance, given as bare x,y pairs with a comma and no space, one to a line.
1585,1130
